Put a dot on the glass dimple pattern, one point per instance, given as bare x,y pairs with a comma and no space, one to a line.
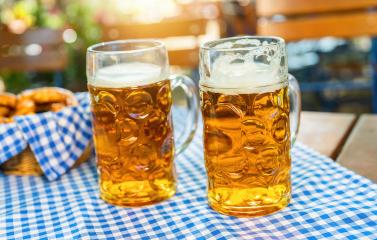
247,142
134,143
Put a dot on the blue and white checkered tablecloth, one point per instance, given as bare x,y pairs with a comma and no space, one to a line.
57,139
329,202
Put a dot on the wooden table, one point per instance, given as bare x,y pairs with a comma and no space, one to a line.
344,137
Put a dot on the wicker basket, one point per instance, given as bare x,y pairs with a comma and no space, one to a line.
26,164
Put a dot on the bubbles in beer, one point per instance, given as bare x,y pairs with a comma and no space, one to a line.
280,128
247,150
282,177
253,133
134,143
234,166
165,151
164,98
217,142
127,131
206,103
230,104
268,160
263,105
138,104
156,127
109,102
142,157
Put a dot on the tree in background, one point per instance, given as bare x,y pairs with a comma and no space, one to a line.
80,30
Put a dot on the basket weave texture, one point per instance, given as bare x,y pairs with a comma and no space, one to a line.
25,164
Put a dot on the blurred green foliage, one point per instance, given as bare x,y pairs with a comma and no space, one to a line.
55,14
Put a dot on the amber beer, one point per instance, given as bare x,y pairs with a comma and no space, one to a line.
130,88
246,146
248,102
133,139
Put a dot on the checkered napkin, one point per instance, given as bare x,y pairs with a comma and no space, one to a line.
56,139
329,202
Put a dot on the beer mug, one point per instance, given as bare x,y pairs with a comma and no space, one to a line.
130,91
250,107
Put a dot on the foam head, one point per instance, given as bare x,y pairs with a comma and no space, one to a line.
128,75
246,77
243,65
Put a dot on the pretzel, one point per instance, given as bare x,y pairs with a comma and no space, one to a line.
8,100
56,107
5,120
49,95
25,106
7,105
34,101
4,111
44,99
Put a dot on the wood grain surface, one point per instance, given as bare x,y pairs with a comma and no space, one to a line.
293,7
336,25
360,150
325,132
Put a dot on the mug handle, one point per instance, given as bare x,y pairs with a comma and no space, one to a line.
189,87
295,106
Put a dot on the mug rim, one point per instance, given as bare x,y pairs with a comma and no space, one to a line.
209,45
158,45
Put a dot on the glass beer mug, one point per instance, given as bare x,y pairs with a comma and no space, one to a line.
130,91
251,107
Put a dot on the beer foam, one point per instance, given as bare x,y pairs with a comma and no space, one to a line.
128,75
247,77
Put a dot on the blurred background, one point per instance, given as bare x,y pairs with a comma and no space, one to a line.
331,46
